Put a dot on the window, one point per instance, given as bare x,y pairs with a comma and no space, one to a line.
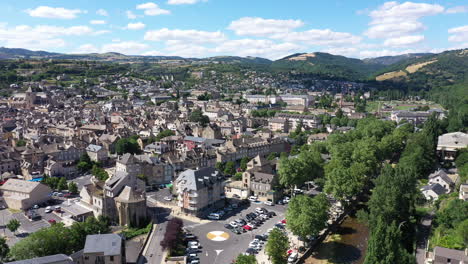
111,258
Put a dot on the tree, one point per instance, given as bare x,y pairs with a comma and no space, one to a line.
21,143
230,168
307,216
13,225
99,173
165,133
4,249
277,246
237,176
384,246
127,145
85,163
62,184
198,116
243,163
220,166
291,172
244,259
72,188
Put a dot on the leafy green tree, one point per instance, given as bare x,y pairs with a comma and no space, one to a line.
62,184
230,168
4,249
99,173
199,117
277,246
72,188
307,216
237,176
291,172
13,225
127,145
453,214
243,163
244,259
220,166
21,143
272,156
165,133
384,246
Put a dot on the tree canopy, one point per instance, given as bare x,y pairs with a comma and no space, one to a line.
307,216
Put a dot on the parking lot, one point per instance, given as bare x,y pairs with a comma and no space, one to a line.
221,245
27,226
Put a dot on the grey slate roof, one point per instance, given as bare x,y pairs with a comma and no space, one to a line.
437,188
108,244
93,148
442,175
199,179
62,258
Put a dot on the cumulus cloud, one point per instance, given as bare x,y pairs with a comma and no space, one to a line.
458,34
97,22
257,47
54,12
194,36
126,47
457,9
135,26
130,14
256,26
321,37
86,48
102,12
152,9
403,41
183,2
393,19
40,36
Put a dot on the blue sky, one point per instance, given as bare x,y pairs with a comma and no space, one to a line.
264,28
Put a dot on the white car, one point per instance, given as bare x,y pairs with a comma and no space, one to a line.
259,210
48,210
292,257
168,198
234,224
253,198
214,216
193,244
270,203
195,261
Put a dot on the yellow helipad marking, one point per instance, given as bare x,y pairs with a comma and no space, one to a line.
217,236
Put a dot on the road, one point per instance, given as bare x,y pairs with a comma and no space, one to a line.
154,252
424,229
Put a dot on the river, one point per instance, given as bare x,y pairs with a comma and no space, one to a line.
347,245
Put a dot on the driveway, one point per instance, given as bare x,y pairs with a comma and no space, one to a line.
423,232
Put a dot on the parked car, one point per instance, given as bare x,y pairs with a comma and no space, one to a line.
234,224
58,209
168,198
253,198
52,221
247,227
271,214
270,203
292,257
48,210
228,226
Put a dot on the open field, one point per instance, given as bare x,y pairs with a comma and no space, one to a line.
373,106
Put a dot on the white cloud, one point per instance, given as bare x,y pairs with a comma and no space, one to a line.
193,36
54,12
40,36
183,2
102,12
257,47
457,9
256,26
343,51
187,50
86,48
403,41
391,30
130,14
97,22
126,47
152,9
393,19
321,37
152,53
459,34
135,26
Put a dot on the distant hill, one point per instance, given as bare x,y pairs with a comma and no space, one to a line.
389,60
327,65
6,53
446,68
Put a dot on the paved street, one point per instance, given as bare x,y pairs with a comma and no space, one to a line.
424,229
224,252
